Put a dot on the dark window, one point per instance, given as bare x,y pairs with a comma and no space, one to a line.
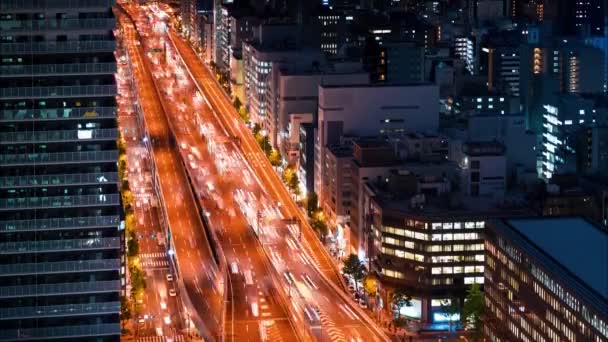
474,176
475,164
474,189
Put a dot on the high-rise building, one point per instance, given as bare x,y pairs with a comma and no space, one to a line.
573,136
556,66
60,210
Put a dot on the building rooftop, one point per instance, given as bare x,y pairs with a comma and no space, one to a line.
578,245
483,148
377,85
341,151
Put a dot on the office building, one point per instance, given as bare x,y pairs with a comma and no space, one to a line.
337,187
306,161
272,45
465,49
545,280
332,26
425,241
573,136
556,66
499,60
293,89
60,209
371,110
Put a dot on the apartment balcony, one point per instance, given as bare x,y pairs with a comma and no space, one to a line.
39,290
57,69
7,160
50,246
59,223
58,91
60,267
58,47
57,114
73,331
29,312
57,24
9,138
59,201
35,5
58,179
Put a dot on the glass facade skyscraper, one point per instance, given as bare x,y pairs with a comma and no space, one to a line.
60,207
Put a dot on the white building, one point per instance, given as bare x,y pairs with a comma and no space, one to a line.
257,64
295,90
483,168
372,110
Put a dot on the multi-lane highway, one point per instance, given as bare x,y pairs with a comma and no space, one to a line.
307,256
279,273
197,279
158,313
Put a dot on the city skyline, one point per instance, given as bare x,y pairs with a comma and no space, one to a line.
192,170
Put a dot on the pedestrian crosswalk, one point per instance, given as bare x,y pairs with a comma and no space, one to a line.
176,338
269,331
154,260
263,304
153,255
155,263
335,334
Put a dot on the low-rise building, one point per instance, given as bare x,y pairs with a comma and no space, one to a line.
483,168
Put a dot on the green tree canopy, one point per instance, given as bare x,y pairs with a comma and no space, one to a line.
121,145
400,298
354,267
244,114
132,244
320,226
138,280
237,103
312,203
125,309
256,129
473,308
275,157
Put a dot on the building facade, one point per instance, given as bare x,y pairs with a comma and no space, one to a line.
368,110
60,207
536,292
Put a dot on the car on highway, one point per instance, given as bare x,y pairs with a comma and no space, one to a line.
167,319
255,309
234,268
172,293
169,277
163,305
362,303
